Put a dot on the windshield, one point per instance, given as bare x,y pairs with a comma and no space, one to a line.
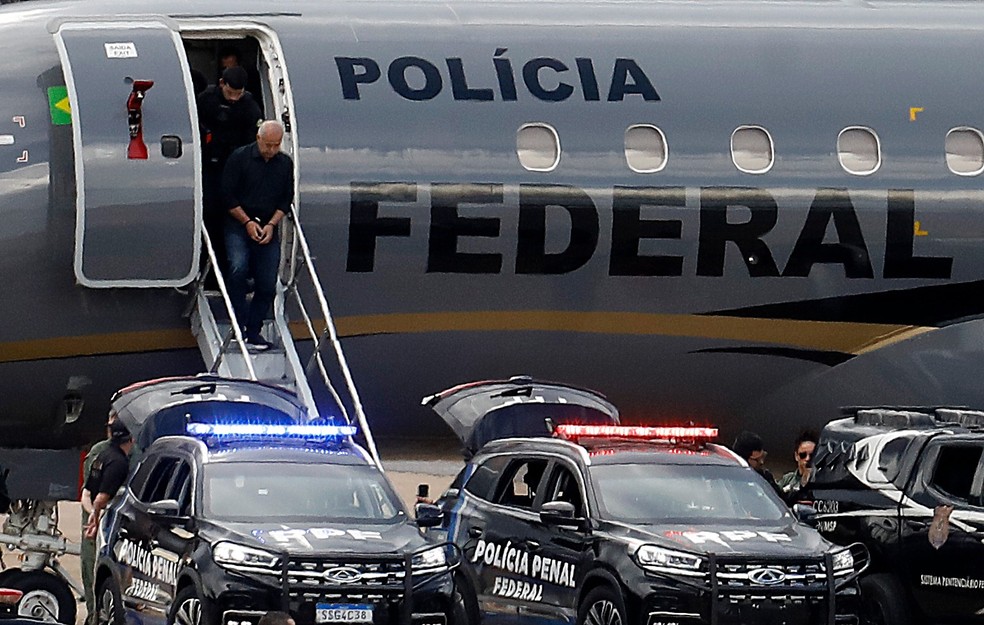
272,492
646,493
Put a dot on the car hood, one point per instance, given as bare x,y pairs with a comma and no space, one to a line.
327,538
783,539
480,412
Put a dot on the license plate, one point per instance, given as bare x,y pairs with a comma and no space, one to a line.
343,613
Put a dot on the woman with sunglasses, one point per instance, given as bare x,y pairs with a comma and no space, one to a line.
794,483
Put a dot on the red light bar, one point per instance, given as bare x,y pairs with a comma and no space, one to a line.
568,430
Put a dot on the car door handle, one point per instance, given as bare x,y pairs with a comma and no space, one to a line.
475,532
532,545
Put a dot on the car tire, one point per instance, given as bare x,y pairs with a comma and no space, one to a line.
602,606
883,601
189,609
109,604
47,597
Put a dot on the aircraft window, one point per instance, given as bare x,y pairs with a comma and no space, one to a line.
965,151
859,150
538,147
645,148
752,150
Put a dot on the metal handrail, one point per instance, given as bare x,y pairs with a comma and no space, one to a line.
236,329
332,334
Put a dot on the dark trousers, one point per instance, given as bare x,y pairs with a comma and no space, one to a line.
214,215
249,259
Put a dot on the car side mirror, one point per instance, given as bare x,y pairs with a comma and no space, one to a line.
559,513
428,515
165,509
805,513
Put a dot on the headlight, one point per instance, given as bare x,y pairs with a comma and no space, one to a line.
843,560
656,558
240,556
430,560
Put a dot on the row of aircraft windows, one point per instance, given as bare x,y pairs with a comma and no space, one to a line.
752,150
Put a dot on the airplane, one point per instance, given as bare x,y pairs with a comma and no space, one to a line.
738,213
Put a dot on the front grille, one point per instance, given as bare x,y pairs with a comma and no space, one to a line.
359,578
776,577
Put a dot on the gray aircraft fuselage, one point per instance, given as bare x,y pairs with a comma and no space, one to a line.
698,292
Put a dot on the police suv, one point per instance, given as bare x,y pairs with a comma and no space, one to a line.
249,511
908,482
610,525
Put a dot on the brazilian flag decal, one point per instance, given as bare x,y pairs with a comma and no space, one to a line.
61,110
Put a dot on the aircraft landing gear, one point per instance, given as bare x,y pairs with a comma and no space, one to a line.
32,528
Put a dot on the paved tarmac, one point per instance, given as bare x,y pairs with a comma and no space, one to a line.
407,463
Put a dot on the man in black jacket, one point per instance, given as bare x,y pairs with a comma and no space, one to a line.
228,116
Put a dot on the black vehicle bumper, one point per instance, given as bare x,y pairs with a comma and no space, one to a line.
235,598
681,600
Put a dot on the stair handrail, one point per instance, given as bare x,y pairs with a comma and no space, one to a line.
333,337
236,329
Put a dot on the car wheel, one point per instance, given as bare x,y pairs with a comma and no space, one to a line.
883,601
602,606
189,609
46,597
109,604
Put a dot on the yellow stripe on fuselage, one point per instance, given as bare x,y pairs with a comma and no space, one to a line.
845,337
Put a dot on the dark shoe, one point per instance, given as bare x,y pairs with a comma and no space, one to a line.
257,343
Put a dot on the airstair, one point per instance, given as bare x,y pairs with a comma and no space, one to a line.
222,343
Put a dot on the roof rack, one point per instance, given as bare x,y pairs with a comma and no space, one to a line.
970,419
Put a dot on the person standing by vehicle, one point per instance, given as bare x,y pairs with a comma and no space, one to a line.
793,484
258,184
749,447
88,554
108,473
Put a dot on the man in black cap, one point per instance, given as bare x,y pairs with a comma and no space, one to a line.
228,117
748,445
108,473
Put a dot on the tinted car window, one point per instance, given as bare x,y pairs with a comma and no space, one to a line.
486,476
272,492
646,493
155,489
180,489
518,485
563,486
955,469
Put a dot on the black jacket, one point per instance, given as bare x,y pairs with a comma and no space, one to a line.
225,125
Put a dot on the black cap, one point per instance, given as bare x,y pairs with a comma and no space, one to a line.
746,444
235,77
118,433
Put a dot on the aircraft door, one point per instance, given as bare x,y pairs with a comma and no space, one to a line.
136,154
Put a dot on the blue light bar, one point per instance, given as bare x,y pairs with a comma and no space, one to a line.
272,430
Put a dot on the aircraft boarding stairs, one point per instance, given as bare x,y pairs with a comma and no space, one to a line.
223,347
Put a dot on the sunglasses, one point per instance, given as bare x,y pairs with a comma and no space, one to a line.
803,455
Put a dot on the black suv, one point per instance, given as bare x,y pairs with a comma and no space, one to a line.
908,482
253,513
610,525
